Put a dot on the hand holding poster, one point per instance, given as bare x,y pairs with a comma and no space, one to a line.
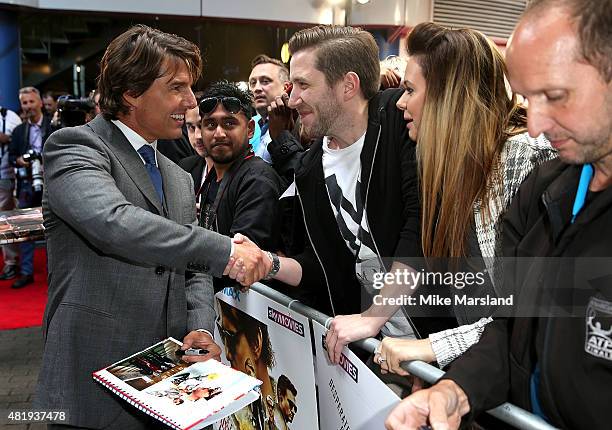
350,395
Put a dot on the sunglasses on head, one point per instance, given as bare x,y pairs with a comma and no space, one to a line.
230,104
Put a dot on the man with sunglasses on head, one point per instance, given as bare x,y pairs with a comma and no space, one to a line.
122,236
240,193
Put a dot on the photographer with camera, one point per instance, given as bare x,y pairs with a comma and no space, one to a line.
25,154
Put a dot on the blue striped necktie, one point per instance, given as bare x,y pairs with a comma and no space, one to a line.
148,154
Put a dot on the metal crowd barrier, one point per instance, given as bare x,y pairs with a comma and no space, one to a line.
507,412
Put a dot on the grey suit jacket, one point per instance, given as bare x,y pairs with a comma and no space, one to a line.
117,260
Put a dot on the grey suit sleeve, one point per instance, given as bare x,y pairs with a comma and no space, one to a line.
82,189
200,298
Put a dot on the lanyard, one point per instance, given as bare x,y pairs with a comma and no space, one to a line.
583,188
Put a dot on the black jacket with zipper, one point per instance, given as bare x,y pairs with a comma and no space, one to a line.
563,307
389,191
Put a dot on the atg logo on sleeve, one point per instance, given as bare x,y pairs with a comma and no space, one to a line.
599,329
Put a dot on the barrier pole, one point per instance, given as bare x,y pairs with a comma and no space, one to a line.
506,412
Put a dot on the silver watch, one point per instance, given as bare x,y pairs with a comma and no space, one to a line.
275,265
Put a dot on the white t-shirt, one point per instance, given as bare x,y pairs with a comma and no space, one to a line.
342,172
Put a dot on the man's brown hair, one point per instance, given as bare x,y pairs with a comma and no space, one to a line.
135,59
283,71
593,19
340,50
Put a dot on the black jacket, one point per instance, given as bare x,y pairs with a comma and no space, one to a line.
247,199
20,142
568,333
389,191
248,202
194,165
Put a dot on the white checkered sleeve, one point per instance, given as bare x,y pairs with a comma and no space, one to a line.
449,344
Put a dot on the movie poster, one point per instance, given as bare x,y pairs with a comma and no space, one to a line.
271,343
350,395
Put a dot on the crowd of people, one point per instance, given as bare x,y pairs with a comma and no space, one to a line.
315,179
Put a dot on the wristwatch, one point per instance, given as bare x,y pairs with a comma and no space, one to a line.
275,265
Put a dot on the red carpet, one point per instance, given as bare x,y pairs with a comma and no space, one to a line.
25,307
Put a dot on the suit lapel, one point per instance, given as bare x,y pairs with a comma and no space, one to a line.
171,194
129,159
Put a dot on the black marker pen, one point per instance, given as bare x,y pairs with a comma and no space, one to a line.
192,351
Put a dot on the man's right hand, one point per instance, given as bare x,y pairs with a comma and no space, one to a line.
440,406
248,264
280,116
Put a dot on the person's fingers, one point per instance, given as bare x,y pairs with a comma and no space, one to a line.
241,278
395,363
405,416
238,238
187,342
248,275
438,415
338,347
399,370
236,268
384,364
330,342
229,266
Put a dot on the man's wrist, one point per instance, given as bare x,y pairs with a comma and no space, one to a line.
275,265
463,404
203,330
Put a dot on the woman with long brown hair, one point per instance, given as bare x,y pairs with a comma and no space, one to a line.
473,154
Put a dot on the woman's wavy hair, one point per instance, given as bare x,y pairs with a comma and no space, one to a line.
468,114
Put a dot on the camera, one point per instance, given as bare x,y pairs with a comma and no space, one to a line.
35,160
73,111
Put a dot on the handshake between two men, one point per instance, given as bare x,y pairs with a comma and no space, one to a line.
247,263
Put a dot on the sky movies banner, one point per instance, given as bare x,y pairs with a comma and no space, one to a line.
350,395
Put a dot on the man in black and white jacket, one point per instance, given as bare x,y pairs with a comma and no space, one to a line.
357,184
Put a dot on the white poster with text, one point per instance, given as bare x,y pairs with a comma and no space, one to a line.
351,397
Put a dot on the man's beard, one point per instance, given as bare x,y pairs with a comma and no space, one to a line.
229,157
328,114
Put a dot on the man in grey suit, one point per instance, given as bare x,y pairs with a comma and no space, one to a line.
121,233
